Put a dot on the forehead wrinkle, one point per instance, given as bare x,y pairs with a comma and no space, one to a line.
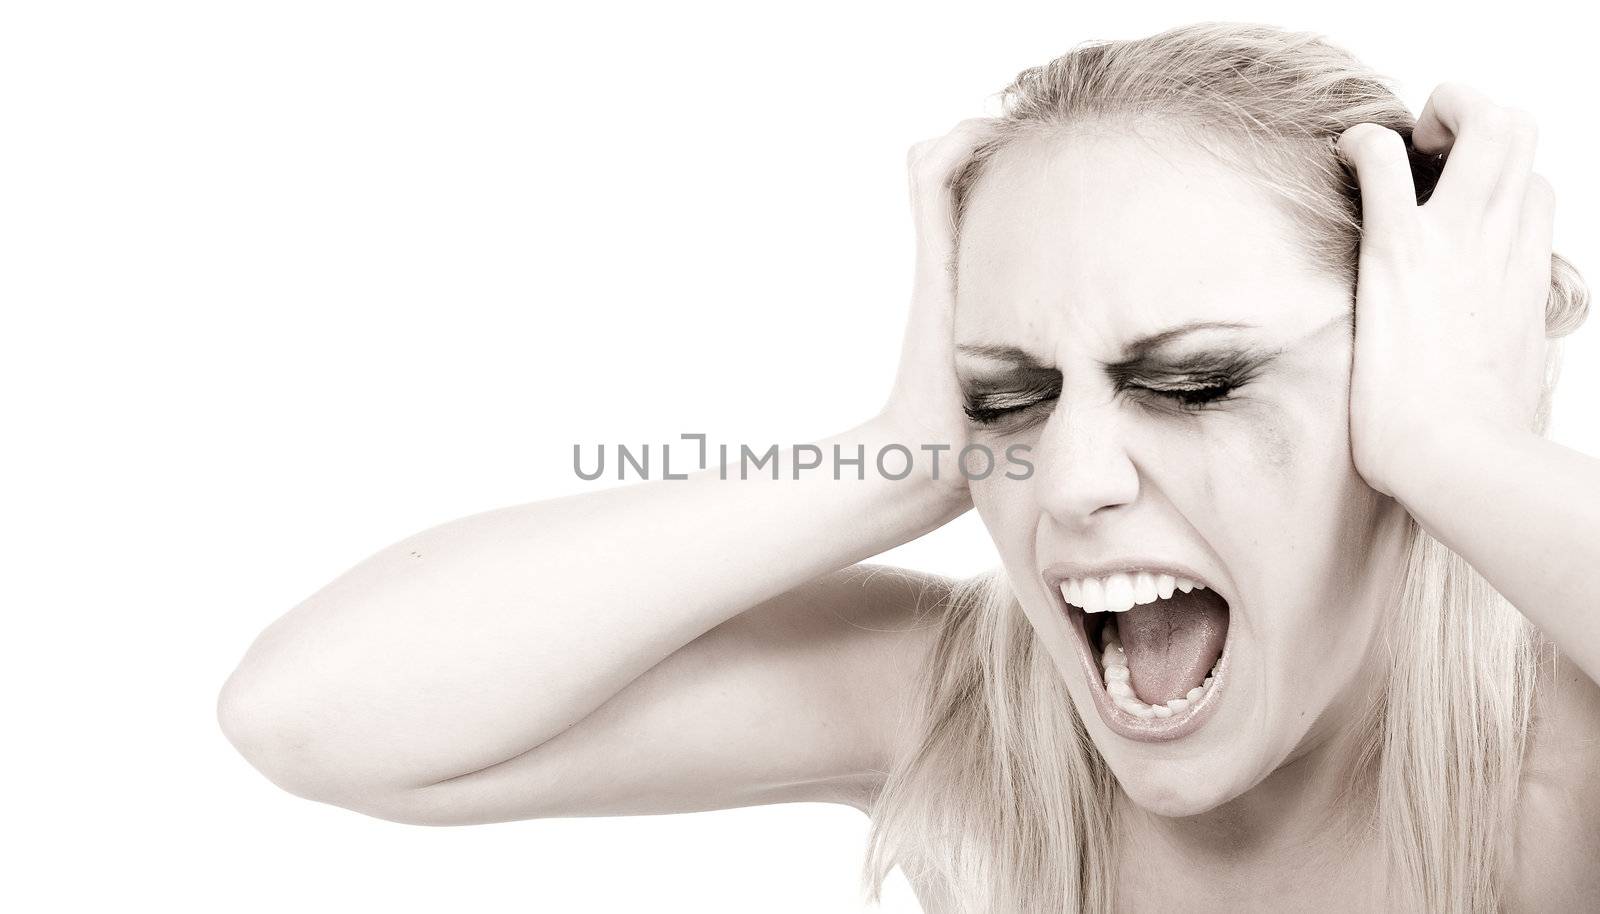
1047,267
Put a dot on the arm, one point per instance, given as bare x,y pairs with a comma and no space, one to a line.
1451,355
467,645
1525,512
805,697
618,651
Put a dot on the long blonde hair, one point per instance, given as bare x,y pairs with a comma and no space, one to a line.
1004,803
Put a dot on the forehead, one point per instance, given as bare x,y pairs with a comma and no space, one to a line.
1114,234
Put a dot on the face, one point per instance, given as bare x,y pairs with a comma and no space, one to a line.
1147,323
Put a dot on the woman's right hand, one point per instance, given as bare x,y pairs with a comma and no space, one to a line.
925,406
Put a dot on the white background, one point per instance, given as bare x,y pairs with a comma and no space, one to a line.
284,282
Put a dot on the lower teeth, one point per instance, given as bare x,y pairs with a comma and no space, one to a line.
1115,675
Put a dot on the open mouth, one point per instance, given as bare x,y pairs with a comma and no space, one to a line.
1154,644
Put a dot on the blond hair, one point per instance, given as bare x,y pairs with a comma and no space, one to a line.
1004,803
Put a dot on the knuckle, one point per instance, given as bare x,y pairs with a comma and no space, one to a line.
1356,137
1368,140
1518,117
1459,93
1494,122
931,160
1521,123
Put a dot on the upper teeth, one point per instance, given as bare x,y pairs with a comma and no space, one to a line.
1122,591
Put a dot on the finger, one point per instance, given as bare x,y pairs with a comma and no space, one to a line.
941,151
1536,225
1515,175
1476,136
934,164
1383,171
931,163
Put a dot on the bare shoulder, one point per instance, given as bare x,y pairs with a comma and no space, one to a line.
1558,831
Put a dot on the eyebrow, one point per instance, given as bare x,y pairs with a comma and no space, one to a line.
1135,351
1013,354
1142,359
1144,345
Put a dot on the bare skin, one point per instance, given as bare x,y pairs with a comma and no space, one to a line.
499,667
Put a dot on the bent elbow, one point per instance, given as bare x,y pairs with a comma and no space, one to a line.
265,731
278,736
284,739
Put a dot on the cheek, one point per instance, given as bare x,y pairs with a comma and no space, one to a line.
1298,457
1278,473
1273,446
1295,523
1008,510
1256,468
1011,512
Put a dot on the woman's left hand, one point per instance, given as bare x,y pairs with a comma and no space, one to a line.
1448,366
1450,296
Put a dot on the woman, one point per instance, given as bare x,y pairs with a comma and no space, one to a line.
1248,646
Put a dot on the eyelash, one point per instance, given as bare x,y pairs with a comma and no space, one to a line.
1194,397
982,414
1189,398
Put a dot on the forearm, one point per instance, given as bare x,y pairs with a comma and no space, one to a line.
472,642
1525,512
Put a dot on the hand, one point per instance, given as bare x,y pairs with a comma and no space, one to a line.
925,406
1450,298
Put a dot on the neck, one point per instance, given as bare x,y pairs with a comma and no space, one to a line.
1311,824
1311,819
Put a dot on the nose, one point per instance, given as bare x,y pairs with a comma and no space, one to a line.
1084,471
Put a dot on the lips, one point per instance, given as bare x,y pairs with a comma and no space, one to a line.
1153,641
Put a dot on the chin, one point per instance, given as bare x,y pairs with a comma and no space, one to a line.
1174,788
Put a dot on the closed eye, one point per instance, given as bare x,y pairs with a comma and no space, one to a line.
989,410
1191,383
1195,396
989,404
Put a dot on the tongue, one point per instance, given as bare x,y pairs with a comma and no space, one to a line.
1171,644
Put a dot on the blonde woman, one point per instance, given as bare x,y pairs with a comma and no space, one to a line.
1296,609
